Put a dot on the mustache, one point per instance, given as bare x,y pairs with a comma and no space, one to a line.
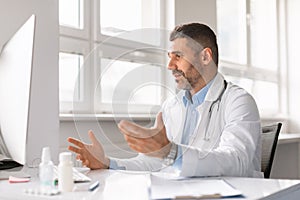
178,72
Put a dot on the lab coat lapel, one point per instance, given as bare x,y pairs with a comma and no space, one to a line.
202,124
215,88
175,120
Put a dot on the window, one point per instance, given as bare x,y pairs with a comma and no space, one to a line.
74,15
232,44
139,24
248,39
69,68
134,83
127,16
102,47
263,31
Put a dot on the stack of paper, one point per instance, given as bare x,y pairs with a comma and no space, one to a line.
191,188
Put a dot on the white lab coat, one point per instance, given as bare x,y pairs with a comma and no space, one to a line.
231,145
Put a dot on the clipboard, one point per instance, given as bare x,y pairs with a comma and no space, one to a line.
193,188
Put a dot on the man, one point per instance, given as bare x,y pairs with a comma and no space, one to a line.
211,128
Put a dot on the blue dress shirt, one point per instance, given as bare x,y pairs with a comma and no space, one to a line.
191,118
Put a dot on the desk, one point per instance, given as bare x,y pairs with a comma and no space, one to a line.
251,188
285,138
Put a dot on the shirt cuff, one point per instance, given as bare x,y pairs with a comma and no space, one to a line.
178,161
114,165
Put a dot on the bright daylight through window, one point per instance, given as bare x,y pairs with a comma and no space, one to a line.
101,48
249,49
105,58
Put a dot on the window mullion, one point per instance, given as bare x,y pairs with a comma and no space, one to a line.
282,55
248,31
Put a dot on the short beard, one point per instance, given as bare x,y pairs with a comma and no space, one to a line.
183,84
188,81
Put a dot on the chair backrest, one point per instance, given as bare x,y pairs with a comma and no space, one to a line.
270,135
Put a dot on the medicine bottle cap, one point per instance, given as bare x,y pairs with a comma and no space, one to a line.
65,156
46,156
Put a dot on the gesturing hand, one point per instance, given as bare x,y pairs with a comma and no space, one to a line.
91,155
151,141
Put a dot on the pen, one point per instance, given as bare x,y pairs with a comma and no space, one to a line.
206,196
94,186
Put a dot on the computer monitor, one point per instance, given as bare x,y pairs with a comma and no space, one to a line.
16,59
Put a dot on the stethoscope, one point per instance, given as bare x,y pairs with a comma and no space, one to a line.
217,101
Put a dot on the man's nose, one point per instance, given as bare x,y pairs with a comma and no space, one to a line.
172,65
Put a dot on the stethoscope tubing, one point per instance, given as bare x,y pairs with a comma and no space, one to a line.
217,101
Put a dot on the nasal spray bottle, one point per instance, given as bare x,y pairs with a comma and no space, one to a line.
65,172
46,171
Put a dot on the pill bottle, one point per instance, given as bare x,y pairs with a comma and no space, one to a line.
46,171
65,172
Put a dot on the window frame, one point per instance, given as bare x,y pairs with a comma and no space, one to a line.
81,47
260,74
84,41
79,33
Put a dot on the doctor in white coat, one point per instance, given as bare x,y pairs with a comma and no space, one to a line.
211,128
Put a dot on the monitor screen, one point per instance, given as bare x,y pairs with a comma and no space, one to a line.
16,60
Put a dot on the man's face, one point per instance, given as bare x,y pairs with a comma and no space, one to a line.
184,64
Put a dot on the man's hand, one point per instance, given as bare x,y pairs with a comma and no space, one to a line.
91,155
151,141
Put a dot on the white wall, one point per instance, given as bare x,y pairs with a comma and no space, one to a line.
179,11
105,130
293,18
44,124
203,11
286,161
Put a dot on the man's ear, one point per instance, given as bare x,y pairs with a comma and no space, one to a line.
206,56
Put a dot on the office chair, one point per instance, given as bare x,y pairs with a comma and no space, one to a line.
269,138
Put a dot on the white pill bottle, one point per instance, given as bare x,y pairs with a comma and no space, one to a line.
65,172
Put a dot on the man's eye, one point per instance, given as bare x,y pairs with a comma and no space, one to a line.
178,55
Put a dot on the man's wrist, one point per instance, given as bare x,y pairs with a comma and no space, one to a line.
169,159
107,163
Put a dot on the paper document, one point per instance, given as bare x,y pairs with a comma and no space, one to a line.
192,188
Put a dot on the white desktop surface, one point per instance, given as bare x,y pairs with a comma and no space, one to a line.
124,185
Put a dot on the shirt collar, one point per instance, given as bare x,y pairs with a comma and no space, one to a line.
197,98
